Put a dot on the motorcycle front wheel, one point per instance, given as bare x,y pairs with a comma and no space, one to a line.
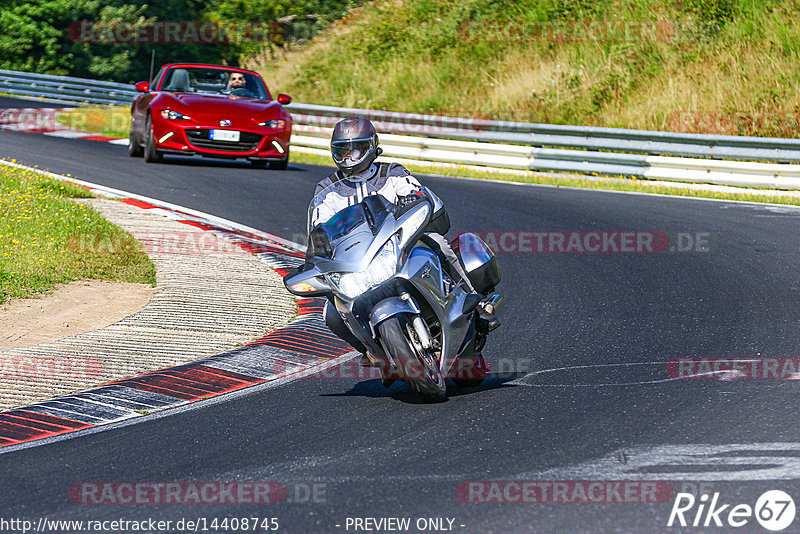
420,370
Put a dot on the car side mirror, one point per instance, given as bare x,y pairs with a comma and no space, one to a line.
284,99
142,87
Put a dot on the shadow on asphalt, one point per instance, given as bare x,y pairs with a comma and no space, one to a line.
222,163
400,391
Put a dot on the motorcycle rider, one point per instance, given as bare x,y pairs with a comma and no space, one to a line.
354,147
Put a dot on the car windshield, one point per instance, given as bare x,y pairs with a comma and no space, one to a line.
214,81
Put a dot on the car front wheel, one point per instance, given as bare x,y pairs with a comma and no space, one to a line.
135,150
280,165
151,155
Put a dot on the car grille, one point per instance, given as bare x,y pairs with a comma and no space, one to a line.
247,141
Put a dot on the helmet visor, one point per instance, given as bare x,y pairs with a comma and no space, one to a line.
351,151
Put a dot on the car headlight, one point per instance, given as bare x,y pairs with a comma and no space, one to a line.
382,267
274,124
173,115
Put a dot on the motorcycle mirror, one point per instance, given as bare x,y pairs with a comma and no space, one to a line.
412,222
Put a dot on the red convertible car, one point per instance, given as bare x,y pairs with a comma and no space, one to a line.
210,110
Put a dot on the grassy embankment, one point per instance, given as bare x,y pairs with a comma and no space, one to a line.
719,66
46,239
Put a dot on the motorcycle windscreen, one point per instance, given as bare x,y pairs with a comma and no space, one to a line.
343,222
340,196
324,235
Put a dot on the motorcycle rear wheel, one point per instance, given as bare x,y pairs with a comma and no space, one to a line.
420,371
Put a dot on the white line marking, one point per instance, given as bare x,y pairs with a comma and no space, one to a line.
523,381
691,461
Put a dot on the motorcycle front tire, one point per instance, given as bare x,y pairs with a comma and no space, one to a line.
425,379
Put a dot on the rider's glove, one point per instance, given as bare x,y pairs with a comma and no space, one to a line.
408,199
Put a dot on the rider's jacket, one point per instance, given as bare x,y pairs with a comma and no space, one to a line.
391,180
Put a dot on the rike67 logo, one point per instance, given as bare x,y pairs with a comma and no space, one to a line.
774,510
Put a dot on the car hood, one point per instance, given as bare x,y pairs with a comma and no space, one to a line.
225,104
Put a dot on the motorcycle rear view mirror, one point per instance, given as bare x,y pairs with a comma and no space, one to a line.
306,283
375,210
413,222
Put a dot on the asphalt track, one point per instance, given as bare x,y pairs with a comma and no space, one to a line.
606,324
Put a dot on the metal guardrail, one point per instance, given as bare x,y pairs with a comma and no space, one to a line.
553,135
65,89
526,158
642,154
433,139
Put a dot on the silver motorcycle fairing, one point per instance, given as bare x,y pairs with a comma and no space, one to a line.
355,251
422,270
449,307
391,307
418,267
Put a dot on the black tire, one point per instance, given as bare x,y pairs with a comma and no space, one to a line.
135,150
151,155
280,165
422,374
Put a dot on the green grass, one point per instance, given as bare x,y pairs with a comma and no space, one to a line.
47,239
111,121
714,66
610,183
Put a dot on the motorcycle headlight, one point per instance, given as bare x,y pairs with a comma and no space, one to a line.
173,115
382,267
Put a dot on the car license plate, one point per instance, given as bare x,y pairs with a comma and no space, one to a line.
224,135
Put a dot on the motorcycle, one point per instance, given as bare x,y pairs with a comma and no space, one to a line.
384,275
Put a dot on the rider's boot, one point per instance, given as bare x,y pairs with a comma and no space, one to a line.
487,320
